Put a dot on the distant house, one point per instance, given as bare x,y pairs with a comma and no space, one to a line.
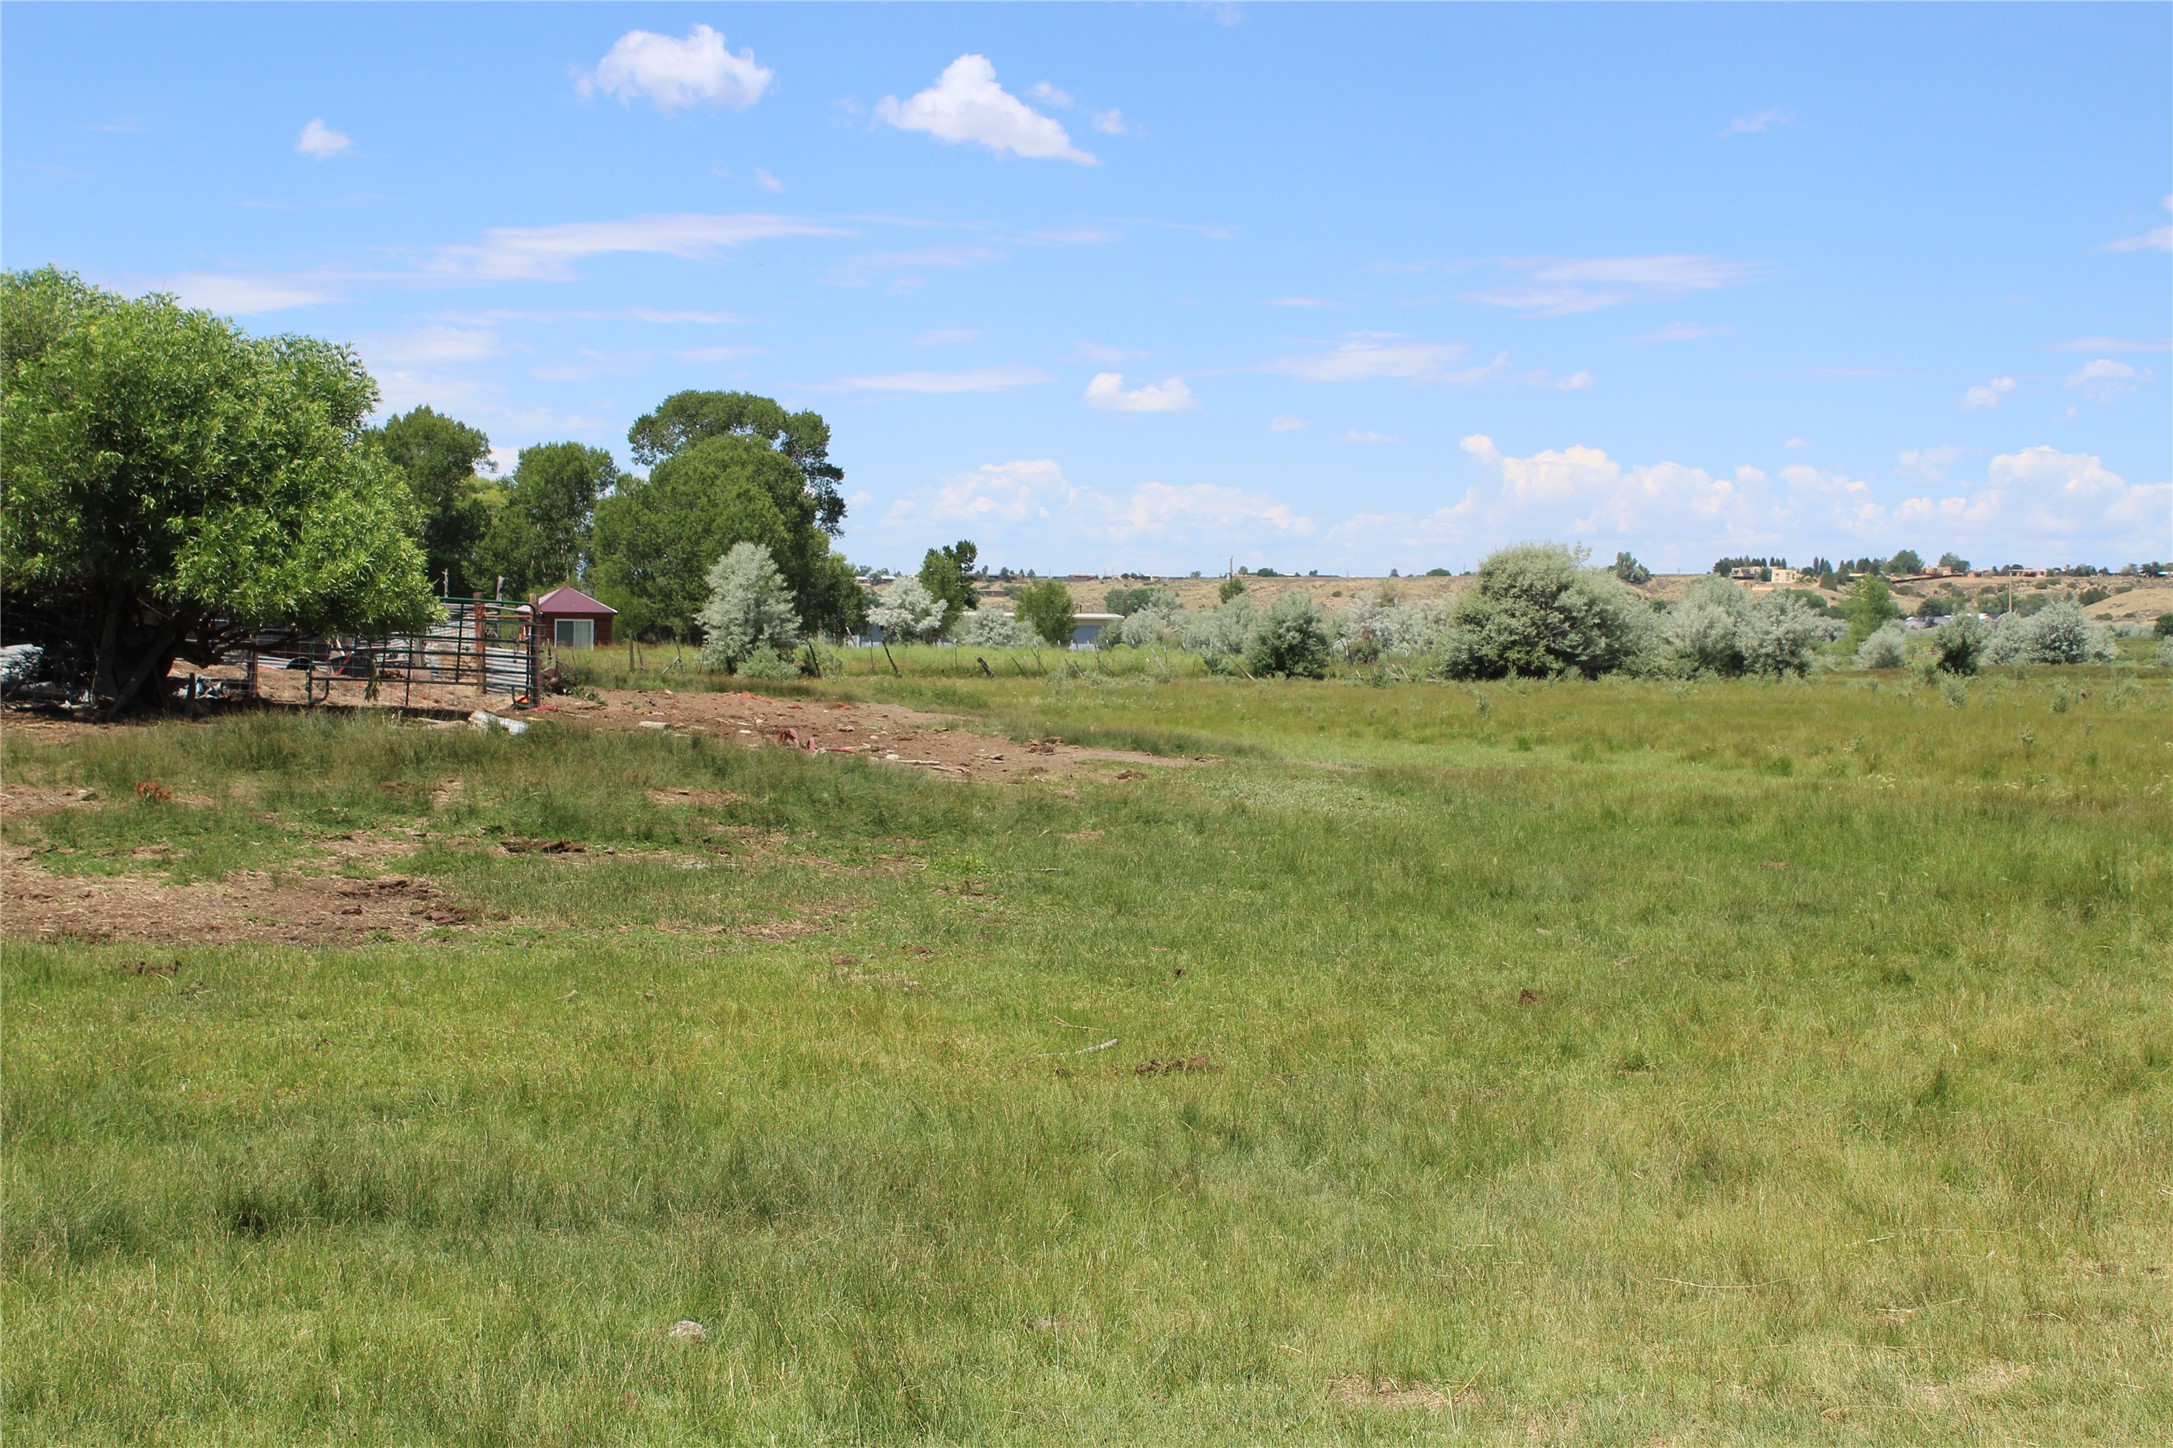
1086,628
570,619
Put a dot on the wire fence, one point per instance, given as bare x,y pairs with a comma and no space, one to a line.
481,643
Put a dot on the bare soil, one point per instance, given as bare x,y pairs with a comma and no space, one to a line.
250,906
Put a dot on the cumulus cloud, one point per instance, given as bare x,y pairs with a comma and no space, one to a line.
1986,396
1111,123
1796,443
320,142
979,379
675,74
1286,423
1042,91
1564,286
966,104
2104,379
1757,121
1927,464
1107,393
2158,238
1036,491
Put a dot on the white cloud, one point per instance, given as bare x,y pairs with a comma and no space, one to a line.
858,271
1928,464
1041,90
966,104
1575,382
1286,423
2109,344
1311,302
2158,238
1354,435
1757,121
1107,393
980,379
1113,356
432,346
1368,356
1036,491
2104,379
1111,123
1682,332
1562,286
715,354
247,294
320,142
1986,397
766,181
674,74
1795,444
547,253
1072,236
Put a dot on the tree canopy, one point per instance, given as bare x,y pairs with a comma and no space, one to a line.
657,537
1045,607
439,458
540,534
947,574
170,481
801,438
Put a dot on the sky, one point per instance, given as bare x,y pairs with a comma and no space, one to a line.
1157,288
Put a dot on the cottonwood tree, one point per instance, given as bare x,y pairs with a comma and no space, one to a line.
540,533
171,483
656,537
1045,607
749,608
440,459
947,574
801,438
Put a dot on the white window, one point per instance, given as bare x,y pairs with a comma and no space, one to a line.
573,633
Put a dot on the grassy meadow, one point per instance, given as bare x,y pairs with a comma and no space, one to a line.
1616,1063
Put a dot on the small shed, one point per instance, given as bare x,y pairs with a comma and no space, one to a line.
1086,628
570,619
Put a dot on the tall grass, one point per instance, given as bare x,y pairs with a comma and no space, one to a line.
1621,1086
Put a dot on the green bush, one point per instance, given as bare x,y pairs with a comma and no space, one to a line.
1959,644
1537,611
1291,639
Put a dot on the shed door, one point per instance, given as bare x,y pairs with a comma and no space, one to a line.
573,633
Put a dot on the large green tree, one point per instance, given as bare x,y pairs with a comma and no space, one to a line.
169,483
658,537
440,458
539,534
802,438
947,574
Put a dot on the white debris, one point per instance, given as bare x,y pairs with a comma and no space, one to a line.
690,1330
486,721
654,724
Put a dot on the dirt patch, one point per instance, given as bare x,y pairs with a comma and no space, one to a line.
252,906
933,743
1357,1391
698,798
23,801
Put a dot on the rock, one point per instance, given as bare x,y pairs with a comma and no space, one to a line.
688,1330
654,724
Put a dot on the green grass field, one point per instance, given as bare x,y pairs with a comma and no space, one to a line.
1584,1063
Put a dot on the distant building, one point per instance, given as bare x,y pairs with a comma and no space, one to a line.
1086,628
570,619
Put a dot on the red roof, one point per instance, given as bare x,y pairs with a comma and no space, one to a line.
568,599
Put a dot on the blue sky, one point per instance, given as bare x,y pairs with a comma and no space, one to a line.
1151,287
